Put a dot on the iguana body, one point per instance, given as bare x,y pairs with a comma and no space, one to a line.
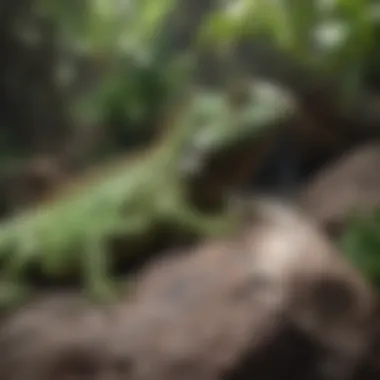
72,233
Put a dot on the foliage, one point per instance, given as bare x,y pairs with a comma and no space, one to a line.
117,66
333,38
104,27
111,67
361,244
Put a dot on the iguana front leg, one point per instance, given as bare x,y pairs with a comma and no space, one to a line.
180,211
208,225
13,288
96,269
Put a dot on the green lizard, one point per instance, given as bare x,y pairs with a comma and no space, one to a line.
72,234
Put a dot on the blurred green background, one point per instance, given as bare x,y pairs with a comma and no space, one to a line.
86,79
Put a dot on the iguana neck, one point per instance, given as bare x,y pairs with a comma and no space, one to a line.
172,145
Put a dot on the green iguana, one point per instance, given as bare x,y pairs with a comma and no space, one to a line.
72,233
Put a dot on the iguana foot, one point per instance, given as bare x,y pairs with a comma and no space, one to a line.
215,225
12,293
102,291
96,265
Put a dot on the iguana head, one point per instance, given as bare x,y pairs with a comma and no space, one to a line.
221,121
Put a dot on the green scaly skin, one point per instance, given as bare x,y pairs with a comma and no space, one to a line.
72,233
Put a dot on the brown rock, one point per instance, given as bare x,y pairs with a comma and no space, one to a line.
275,302
351,183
